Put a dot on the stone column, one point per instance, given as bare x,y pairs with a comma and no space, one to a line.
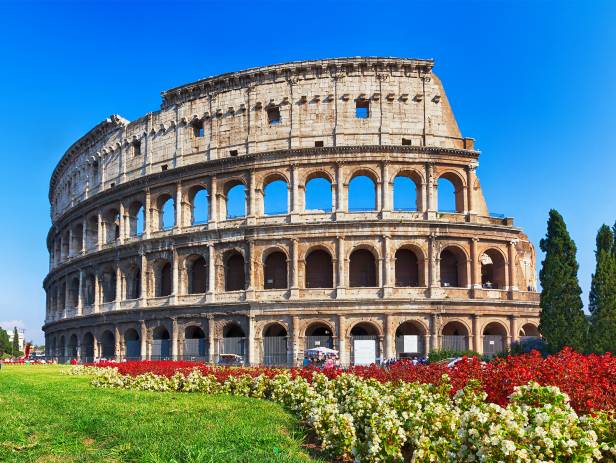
295,348
434,277
475,265
97,293
122,224
341,277
174,339
511,267
342,345
211,272
341,205
118,289
252,360
470,181
385,190
147,215
175,278
143,337
513,330
211,339
252,212
250,274
431,197
294,206
82,277
100,237
388,269
390,342
118,343
476,335
71,248
144,281
294,268
178,206
84,236
213,204
434,338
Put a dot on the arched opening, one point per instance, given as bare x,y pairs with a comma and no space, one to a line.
132,345
136,213
410,340
362,194
450,193
77,243
362,269
199,206
275,271
454,337
87,348
161,344
74,292
234,340
164,283
405,194
111,224
72,347
319,335
133,283
197,276
494,336
453,268
493,270
62,349
108,345
276,198
364,344
108,278
275,345
319,269
194,343
407,268
91,232
236,200
235,277
89,290
318,195
166,212
53,347
529,333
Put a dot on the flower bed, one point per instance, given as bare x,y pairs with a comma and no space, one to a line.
589,380
375,420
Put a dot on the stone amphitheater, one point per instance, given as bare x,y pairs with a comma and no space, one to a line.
164,243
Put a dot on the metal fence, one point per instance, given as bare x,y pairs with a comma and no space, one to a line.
161,349
132,350
233,346
492,344
455,343
195,349
275,350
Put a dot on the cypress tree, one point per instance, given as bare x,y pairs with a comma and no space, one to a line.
602,298
15,341
5,343
562,317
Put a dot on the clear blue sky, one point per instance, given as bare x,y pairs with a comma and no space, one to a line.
533,82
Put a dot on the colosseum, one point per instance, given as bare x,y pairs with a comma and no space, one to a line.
272,210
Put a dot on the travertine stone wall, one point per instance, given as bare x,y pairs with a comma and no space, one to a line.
111,285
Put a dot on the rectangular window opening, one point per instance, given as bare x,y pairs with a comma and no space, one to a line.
164,167
318,144
233,152
198,129
362,109
273,115
136,148
407,142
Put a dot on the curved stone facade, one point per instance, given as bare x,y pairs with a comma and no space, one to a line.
147,261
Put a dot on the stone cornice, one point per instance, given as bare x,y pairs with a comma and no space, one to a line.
333,67
104,128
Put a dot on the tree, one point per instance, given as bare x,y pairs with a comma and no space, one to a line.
562,317
15,341
602,297
5,343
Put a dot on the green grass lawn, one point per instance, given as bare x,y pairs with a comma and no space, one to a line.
46,416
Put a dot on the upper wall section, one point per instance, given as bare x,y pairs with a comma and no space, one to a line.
293,105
